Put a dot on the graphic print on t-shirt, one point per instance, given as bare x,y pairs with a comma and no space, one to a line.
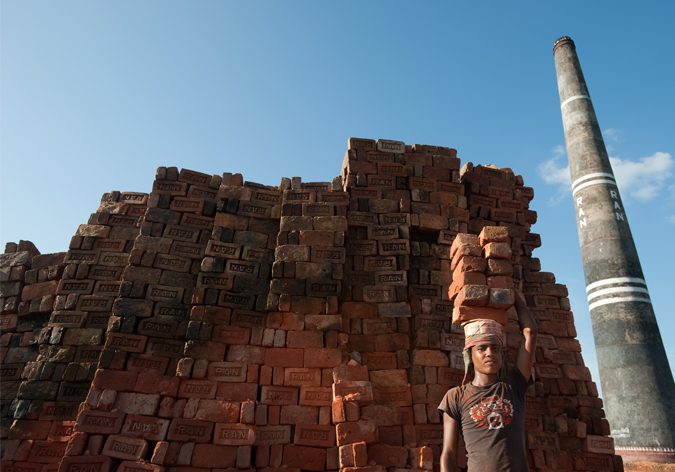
492,412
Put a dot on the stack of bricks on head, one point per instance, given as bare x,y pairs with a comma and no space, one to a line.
482,277
216,324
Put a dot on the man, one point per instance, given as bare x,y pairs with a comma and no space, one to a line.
489,410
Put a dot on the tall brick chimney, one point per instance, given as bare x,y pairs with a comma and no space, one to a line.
637,382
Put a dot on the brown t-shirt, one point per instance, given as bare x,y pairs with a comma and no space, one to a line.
492,421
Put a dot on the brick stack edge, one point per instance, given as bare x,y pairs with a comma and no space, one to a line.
217,324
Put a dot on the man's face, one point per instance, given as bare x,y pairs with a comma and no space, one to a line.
487,358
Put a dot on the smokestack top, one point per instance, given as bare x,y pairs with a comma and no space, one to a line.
562,40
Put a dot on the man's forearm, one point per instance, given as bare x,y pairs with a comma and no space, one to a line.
525,318
448,462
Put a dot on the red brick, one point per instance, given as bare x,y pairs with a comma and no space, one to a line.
314,435
218,411
267,435
302,377
350,372
499,267
463,239
213,456
346,456
294,414
126,342
88,463
154,382
427,357
388,456
137,403
353,390
146,363
315,396
284,357
273,395
470,264
121,447
472,295
497,251
380,360
99,422
493,234
190,430
29,429
304,339
392,342
394,396
464,250
61,430
501,298
237,392
227,371
231,334
322,357
115,380
356,431
47,452
234,434
246,354
137,466
304,457
209,350
359,309
190,388
359,454
77,444
463,314
146,427
39,290
500,281
382,415
429,434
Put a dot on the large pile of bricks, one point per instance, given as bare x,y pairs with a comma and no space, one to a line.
222,324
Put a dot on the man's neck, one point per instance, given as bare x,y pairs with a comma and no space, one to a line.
484,380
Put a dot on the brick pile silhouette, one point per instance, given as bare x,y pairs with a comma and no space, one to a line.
222,324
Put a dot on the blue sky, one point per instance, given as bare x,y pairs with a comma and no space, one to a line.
94,96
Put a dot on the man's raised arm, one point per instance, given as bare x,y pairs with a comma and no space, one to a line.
528,326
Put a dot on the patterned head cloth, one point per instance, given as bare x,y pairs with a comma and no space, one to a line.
480,332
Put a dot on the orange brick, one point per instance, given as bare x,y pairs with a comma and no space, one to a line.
464,314
356,431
